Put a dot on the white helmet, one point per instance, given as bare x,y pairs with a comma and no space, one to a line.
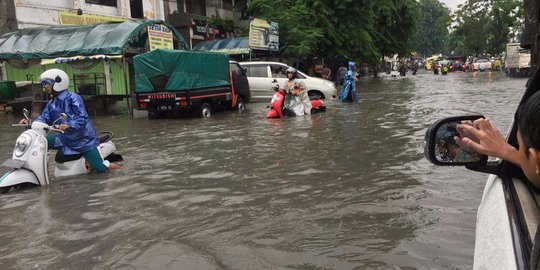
56,77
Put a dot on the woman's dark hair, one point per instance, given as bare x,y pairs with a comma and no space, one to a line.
528,121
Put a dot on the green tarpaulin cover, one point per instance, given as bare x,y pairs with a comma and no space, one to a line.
185,70
66,41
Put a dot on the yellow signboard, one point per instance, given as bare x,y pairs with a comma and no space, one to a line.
160,37
71,18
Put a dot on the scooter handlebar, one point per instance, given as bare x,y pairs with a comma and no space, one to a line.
54,128
19,125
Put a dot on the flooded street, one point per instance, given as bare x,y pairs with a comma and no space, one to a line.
348,188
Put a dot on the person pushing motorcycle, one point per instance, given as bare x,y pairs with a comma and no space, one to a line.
79,135
297,99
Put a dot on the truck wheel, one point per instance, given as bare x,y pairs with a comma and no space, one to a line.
206,110
241,104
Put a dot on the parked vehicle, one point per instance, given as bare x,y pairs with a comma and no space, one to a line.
30,157
261,74
509,213
481,64
518,61
172,82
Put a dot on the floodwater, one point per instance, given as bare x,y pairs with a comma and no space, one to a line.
345,189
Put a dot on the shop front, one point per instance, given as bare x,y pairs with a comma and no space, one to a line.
97,58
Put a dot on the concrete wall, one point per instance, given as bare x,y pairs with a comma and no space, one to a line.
31,13
220,9
8,22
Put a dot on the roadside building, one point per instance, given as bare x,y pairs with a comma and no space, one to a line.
71,35
203,20
22,14
92,71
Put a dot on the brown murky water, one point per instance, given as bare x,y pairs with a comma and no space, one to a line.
344,189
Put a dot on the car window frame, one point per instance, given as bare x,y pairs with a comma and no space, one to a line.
284,73
249,67
301,76
508,172
240,69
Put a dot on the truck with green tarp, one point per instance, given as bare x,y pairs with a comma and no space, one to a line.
174,81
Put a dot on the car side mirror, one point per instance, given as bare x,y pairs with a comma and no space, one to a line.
441,147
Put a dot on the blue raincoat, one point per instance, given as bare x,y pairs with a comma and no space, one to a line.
348,92
81,136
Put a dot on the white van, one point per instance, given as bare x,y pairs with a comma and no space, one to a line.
261,74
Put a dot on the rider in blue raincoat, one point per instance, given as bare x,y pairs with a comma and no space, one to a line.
79,135
348,92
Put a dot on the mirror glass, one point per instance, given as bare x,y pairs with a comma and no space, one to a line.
447,150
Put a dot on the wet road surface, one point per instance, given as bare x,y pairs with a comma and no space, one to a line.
345,189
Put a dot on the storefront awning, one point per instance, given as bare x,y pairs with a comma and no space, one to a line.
238,45
67,41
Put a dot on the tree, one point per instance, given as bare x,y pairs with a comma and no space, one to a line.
299,33
362,29
432,28
485,26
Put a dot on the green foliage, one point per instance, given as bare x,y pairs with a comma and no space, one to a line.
227,25
362,29
485,26
432,29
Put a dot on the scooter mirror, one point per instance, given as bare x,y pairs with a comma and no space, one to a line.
26,113
63,116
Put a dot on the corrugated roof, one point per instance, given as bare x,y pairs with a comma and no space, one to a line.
238,45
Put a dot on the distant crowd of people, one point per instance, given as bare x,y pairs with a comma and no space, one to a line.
332,73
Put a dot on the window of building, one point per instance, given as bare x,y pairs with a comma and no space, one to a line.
197,7
227,4
136,7
110,3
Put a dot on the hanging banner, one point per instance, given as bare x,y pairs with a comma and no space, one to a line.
263,35
159,37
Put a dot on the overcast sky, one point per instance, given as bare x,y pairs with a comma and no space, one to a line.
452,4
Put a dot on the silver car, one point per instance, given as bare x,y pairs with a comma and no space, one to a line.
481,64
261,74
